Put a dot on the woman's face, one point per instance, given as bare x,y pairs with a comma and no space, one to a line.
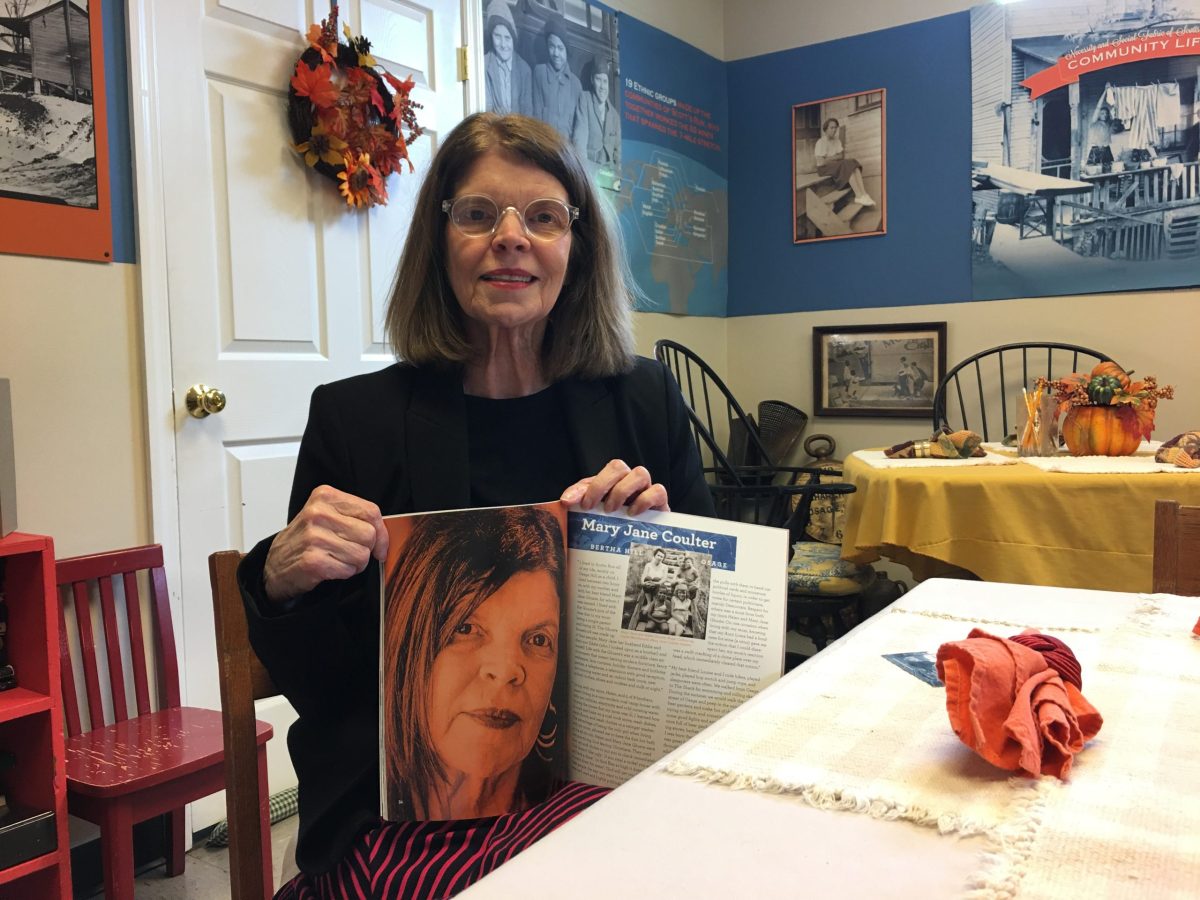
831,128
507,280
502,42
1105,115
659,556
490,686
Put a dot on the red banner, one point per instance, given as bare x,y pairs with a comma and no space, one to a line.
1153,46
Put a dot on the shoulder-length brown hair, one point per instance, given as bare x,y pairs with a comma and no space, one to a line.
589,331
450,564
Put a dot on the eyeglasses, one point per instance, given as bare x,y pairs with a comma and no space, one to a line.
477,215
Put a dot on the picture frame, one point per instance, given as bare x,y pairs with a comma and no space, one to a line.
887,370
839,167
54,192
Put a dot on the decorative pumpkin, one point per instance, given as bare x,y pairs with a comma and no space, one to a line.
1101,389
1107,413
1101,430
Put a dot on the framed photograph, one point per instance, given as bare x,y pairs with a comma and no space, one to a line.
878,370
54,186
839,167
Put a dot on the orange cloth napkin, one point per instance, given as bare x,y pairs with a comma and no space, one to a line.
1010,707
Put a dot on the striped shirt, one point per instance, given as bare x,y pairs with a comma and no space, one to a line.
419,860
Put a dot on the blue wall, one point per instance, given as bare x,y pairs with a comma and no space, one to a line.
925,255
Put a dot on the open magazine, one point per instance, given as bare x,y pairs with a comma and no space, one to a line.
522,646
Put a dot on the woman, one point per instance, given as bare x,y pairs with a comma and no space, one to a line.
656,571
508,80
518,379
831,162
471,632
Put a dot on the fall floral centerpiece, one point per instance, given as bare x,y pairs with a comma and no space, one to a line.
351,121
1107,413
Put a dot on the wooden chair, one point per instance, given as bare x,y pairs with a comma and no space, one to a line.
146,759
243,680
981,392
1176,549
767,493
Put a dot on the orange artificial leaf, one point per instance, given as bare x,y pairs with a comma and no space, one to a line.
336,120
315,84
400,87
362,88
1145,420
316,40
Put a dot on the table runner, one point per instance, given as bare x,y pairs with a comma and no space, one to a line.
1102,464
856,733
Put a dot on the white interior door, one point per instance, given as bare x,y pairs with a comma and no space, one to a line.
274,286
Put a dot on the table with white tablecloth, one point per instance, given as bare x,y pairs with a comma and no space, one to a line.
845,777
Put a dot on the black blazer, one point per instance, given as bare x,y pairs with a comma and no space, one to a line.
398,437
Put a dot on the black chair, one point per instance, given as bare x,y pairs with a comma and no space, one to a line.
821,585
981,393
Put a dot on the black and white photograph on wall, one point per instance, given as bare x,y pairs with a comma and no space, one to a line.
1085,155
878,370
47,133
666,591
839,164
558,61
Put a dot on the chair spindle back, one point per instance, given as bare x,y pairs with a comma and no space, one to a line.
703,390
981,392
85,581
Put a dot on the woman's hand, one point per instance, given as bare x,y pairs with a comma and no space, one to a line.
333,537
617,485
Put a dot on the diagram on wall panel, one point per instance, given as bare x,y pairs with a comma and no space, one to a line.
673,203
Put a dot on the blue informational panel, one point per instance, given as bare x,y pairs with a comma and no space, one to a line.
673,194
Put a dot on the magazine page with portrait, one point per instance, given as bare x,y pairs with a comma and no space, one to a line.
521,646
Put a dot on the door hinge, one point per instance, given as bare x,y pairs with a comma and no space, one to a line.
462,63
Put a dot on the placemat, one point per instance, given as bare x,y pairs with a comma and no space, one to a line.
877,460
859,734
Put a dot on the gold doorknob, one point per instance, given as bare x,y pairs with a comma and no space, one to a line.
203,400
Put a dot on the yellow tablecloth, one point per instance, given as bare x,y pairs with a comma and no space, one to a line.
1012,523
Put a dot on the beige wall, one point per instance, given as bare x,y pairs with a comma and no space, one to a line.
70,342
770,357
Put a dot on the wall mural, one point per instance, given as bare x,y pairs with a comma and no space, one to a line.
647,113
1085,169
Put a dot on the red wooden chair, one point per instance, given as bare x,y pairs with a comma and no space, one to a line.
143,761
